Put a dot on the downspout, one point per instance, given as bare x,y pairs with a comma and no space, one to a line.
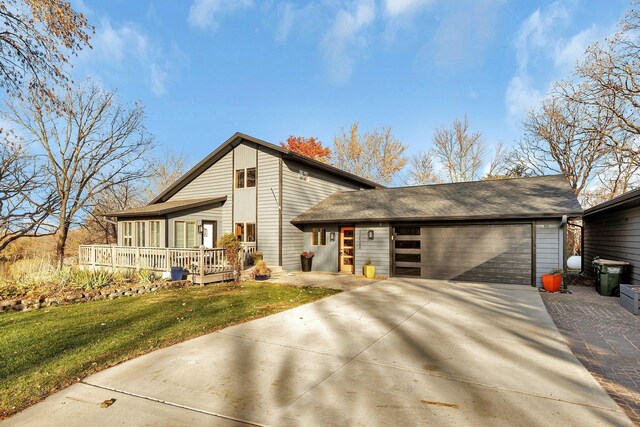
563,247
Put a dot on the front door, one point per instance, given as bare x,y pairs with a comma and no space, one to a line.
209,234
347,250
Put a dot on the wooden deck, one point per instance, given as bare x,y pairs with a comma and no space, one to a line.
201,265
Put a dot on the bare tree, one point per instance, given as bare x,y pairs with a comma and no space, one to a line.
164,171
612,72
377,156
94,145
25,202
461,153
422,169
114,198
557,141
37,38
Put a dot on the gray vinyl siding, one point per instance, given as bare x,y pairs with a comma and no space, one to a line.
298,196
325,258
268,212
377,250
244,199
613,235
549,248
213,213
215,181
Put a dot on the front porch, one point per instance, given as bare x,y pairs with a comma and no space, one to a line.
203,265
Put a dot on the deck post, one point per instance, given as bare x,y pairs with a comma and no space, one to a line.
201,265
93,257
114,255
137,261
166,260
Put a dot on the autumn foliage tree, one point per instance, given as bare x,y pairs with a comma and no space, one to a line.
377,156
37,37
310,147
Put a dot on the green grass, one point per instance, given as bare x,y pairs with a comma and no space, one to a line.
48,349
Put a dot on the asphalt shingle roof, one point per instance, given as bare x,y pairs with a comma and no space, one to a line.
167,207
542,196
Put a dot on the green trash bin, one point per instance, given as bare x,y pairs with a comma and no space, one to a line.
609,275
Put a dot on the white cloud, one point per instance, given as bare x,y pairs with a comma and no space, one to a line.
204,14
344,34
158,78
114,44
568,52
118,46
540,43
395,8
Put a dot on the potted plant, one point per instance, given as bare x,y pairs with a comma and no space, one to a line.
552,281
369,269
261,271
257,256
306,260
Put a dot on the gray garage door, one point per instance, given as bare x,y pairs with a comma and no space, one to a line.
478,253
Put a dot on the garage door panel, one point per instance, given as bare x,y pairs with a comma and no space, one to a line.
483,253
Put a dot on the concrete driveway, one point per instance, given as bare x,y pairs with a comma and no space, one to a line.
399,352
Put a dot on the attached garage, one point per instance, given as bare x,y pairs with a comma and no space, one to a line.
504,231
493,253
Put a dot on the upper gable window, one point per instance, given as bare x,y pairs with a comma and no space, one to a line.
246,178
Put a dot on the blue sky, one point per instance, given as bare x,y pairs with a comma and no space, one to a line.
207,68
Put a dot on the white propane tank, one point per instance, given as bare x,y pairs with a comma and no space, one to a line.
574,262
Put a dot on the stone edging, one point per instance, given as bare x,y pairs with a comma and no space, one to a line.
28,304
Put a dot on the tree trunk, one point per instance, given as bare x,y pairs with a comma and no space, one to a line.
61,243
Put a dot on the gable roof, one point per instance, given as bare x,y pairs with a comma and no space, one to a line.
532,197
626,200
236,140
167,207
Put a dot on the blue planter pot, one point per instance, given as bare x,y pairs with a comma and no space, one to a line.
176,273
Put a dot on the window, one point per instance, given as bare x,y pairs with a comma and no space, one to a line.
319,237
251,177
246,178
407,244
251,232
141,233
127,233
408,231
246,231
240,178
185,234
154,234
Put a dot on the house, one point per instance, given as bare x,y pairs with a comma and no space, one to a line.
612,231
281,203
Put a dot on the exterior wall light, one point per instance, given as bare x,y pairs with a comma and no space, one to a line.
332,236
370,234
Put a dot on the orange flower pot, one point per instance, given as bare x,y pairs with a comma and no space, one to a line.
551,282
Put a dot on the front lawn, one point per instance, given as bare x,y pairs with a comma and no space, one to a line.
48,349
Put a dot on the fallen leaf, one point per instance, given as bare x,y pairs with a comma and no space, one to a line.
108,403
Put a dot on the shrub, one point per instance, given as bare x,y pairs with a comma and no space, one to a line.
232,247
146,277
261,269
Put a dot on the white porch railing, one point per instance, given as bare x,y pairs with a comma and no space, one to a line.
198,261
246,259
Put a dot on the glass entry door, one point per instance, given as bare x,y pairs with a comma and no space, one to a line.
347,250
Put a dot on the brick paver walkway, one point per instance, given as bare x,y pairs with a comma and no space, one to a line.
605,338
